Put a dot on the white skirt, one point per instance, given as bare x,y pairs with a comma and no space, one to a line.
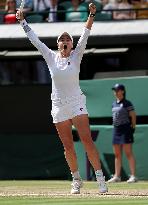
68,108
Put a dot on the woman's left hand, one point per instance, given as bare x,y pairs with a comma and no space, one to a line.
92,8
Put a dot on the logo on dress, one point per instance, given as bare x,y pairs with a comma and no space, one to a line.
81,108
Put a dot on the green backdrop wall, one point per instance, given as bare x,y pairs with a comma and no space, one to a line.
100,96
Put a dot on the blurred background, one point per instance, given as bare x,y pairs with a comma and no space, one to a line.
117,52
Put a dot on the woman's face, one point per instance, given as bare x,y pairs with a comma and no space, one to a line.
65,40
75,2
54,3
11,4
119,94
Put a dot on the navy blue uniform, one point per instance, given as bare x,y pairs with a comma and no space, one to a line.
122,132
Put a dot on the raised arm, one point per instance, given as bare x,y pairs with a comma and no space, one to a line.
43,49
81,45
90,20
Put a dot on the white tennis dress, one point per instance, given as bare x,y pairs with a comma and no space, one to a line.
67,98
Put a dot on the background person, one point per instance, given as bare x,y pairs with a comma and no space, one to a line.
108,5
76,12
10,8
141,4
124,121
27,7
125,10
54,14
68,101
42,6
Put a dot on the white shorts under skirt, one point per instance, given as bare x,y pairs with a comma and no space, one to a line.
68,108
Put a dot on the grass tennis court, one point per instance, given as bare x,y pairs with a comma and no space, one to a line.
57,192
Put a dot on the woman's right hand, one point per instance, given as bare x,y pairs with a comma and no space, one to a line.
19,15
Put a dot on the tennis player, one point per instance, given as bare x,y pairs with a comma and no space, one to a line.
124,121
68,101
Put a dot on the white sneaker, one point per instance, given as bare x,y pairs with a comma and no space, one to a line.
76,185
114,179
132,179
102,185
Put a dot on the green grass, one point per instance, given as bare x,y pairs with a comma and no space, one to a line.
57,193
47,201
